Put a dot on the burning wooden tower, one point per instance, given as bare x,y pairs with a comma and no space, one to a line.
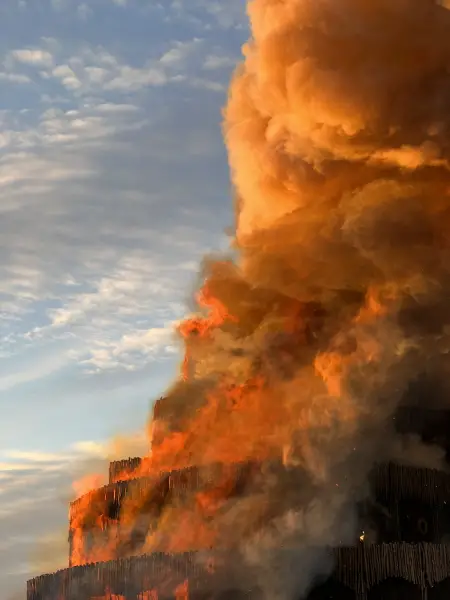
337,129
400,548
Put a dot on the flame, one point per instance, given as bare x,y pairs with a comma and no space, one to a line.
182,591
217,314
202,326
148,595
109,596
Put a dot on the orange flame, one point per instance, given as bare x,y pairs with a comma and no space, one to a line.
203,326
182,591
148,595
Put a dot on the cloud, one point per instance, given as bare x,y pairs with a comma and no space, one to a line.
67,77
132,79
93,70
36,57
132,350
59,5
37,370
228,15
225,15
14,78
127,318
180,52
40,169
110,107
214,61
33,457
84,11
77,211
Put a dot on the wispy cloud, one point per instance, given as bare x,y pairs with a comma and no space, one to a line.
27,56
108,277
14,78
37,370
225,15
84,11
180,52
96,70
139,291
215,61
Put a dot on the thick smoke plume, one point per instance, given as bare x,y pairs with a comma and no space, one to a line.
337,128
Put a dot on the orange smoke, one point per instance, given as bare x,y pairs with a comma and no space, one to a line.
88,482
338,135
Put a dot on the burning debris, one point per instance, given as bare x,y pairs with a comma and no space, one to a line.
305,347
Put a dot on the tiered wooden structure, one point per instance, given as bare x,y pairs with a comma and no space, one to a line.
409,514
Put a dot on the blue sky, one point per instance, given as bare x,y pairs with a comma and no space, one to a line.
113,185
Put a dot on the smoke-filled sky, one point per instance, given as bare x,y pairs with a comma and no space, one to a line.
113,183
